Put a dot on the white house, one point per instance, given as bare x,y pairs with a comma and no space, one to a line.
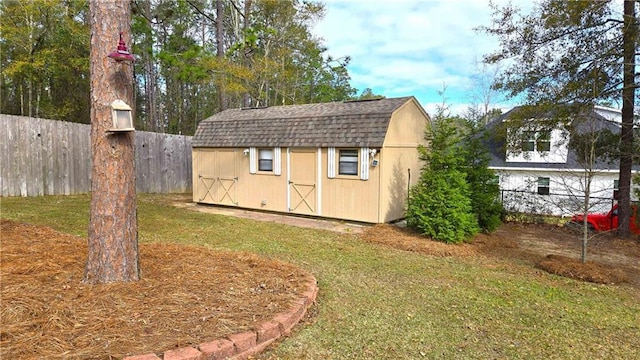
540,174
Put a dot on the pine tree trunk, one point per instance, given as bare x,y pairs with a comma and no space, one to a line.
246,97
113,230
629,37
222,96
152,122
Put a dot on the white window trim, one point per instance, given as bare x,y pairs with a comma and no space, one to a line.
333,158
277,161
364,163
538,186
319,182
276,167
253,160
331,163
535,139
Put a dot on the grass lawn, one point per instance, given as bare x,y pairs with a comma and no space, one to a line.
376,302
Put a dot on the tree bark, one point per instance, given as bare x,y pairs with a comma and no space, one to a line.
151,78
113,230
629,36
222,96
246,98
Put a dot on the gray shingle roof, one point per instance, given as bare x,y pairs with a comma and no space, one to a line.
339,124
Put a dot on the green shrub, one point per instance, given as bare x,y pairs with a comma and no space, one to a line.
483,185
440,204
440,207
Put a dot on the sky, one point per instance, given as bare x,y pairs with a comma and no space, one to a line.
413,47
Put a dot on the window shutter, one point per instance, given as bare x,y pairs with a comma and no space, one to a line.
364,163
331,162
277,161
252,160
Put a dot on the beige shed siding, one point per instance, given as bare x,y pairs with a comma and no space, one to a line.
399,155
221,177
349,197
343,197
262,190
407,125
395,163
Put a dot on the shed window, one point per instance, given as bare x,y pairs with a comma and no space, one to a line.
543,186
265,159
348,164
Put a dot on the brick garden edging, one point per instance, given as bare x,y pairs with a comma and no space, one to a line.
242,345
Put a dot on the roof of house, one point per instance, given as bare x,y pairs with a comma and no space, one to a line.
340,124
498,152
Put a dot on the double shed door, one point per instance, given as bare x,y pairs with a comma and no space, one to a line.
218,178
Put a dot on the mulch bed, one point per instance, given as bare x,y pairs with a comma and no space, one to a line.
187,295
409,240
585,271
530,243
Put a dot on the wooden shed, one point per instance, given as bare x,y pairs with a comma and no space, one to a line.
350,160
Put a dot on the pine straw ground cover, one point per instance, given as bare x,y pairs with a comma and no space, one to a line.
187,295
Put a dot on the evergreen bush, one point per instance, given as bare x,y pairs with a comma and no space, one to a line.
440,204
483,184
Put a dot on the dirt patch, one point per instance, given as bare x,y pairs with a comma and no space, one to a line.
270,216
188,295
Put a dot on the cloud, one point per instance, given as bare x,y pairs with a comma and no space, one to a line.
408,47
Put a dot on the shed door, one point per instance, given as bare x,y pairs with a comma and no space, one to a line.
226,177
217,178
302,181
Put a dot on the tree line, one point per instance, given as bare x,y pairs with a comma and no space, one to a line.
193,58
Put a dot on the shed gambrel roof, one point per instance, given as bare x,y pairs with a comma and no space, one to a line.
338,124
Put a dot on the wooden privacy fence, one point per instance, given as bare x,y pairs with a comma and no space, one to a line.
49,157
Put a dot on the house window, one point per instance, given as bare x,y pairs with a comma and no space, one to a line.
536,141
543,142
348,164
265,159
543,186
528,141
